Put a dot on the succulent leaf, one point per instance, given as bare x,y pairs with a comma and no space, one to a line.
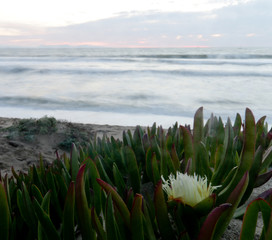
262,179
267,159
83,211
133,170
208,227
74,164
163,221
247,157
112,230
97,225
136,219
205,206
198,132
225,156
188,148
121,206
45,221
234,199
253,173
5,216
93,175
68,214
250,219
148,228
55,198
155,169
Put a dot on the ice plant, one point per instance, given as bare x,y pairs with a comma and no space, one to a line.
187,189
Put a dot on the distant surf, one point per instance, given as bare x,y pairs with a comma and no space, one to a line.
162,85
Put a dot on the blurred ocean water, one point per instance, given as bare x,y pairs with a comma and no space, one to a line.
135,86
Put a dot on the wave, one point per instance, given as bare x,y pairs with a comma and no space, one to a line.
44,103
206,73
73,105
213,62
121,72
62,54
15,70
207,56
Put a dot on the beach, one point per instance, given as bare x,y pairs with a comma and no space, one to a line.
20,148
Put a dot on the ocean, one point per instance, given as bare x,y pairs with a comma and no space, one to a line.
135,86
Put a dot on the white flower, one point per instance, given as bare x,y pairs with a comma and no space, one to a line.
189,190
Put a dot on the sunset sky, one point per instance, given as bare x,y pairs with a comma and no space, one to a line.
141,23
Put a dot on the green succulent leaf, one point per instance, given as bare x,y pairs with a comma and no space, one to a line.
37,179
251,216
45,221
37,193
118,179
126,139
234,199
55,198
175,158
237,125
21,207
68,214
155,169
74,162
262,179
136,219
148,228
119,203
97,225
45,203
247,157
208,227
5,216
133,170
102,171
253,173
268,233
112,230
83,211
93,175
225,156
148,163
26,209
202,161
198,131
250,221
163,221
205,206
267,159
188,148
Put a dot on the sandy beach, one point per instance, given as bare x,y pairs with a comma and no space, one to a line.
20,148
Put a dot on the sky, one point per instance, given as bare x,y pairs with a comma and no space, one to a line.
141,23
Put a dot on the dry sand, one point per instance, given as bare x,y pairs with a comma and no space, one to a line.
22,149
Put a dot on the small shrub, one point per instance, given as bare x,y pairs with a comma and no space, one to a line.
28,128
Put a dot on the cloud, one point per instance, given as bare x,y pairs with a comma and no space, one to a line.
216,35
52,13
250,35
28,40
4,31
229,26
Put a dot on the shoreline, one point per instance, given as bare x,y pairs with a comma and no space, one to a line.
99,117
